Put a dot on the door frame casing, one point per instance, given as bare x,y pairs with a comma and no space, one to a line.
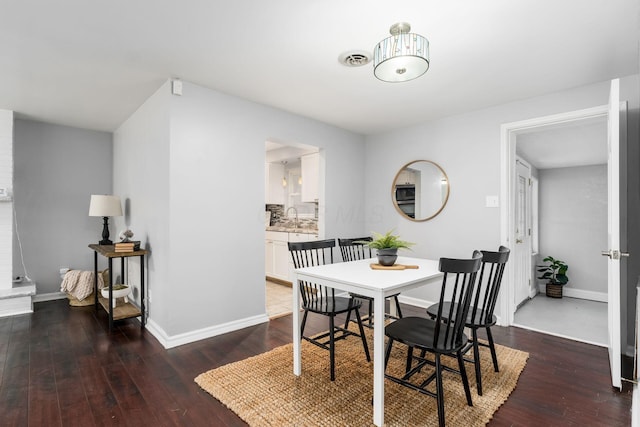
508,135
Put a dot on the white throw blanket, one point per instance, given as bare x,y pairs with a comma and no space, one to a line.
80,283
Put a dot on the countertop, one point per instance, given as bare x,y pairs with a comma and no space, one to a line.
292,229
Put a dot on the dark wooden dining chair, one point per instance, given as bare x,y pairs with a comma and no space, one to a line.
482,306
437,336
352,250
322,300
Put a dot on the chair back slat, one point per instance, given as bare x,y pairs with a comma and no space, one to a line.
458,283
311,254
490,279
353,250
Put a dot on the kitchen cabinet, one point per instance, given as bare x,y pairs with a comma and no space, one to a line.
276,255
310,169
268,257
281,260
406,177
274,191
278,263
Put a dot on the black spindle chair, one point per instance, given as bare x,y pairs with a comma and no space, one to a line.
353,250
437,336
482,306
322,300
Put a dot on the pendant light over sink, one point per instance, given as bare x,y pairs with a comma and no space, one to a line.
284,178
402,57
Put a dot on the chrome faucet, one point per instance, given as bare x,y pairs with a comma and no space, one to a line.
295,223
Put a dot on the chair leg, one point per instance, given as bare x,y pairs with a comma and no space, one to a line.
304,322
465,379
364,338
439,391
476,361
332,355
346,322
387,353
409,359
492,347
398,307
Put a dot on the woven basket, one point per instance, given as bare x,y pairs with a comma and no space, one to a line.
554,291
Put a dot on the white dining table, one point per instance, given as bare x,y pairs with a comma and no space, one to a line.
358,277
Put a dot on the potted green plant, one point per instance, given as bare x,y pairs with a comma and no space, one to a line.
387,246
555,273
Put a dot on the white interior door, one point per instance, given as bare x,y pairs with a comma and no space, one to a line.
522,249
613,252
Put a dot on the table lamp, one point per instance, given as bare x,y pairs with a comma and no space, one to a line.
105,206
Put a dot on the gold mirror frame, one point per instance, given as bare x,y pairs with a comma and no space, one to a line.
444,183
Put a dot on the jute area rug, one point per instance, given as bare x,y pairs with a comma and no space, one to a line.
263,391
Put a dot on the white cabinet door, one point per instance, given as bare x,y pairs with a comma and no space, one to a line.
406,177
310,165
278,263
274,191
281,260
268,258
276,255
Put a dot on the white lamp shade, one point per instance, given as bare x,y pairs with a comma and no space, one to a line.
401,57
104,205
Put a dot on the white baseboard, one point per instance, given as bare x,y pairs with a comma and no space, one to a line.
49,297
168,341
17,299
15,306
417,302
579,293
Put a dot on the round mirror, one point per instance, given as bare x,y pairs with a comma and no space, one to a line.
420,190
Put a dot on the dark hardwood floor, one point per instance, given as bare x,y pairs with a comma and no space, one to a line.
60,367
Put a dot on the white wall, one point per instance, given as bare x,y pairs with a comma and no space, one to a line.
6,208
141,178
57,168
467,147
573,221
206,269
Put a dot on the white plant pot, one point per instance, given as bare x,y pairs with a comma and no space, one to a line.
119,293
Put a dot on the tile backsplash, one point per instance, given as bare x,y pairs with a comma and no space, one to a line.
277,213
278,218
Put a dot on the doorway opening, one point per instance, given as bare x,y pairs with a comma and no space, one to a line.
294,190
554,173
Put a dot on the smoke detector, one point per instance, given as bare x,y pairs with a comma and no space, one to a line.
356,58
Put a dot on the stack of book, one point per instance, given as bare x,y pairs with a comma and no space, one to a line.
127,246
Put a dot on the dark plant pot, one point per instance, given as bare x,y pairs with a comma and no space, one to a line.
554,291
387,257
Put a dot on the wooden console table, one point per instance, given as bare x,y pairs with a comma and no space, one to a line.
128,309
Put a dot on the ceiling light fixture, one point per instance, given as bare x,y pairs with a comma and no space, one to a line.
402,57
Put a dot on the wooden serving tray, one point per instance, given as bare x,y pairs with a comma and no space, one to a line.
393,267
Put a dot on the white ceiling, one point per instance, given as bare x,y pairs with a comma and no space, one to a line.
580,143
91,64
